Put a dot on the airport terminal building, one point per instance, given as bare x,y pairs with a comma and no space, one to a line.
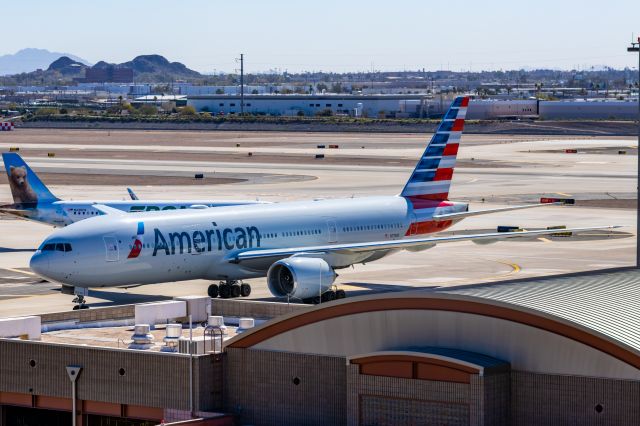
553,350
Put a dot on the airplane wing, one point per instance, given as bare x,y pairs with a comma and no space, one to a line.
132,194
112,211
409,243
462,215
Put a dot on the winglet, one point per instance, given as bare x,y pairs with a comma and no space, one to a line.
108,210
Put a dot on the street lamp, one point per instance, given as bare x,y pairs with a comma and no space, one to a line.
635,47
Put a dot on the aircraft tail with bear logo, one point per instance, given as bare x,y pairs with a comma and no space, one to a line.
26,187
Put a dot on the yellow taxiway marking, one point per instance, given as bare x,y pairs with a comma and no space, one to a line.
20,272
515,268
545,240
351,287
563,194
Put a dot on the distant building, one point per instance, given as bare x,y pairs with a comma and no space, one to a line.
310,105
109,74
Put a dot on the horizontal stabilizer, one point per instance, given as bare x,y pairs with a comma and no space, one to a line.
462,215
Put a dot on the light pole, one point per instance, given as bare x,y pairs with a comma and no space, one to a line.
635,47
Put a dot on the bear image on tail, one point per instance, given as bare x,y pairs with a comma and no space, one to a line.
20,188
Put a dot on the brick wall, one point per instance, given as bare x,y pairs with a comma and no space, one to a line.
543,399
150,379
260,388
385,400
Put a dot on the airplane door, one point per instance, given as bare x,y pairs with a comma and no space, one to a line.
332,231
111,247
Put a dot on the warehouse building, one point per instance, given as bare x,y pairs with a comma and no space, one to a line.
310,105
410,106
551,350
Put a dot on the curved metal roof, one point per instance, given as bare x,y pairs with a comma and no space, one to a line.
607,302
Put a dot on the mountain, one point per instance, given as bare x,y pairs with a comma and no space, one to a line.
154,64
27,60
67,66
145,68
151,69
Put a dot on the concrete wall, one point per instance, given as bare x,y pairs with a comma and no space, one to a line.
254,308
260,388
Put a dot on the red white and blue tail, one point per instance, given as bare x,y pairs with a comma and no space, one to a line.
431,178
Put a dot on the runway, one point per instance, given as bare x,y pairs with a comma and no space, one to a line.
493,171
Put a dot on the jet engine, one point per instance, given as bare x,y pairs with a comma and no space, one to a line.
300,277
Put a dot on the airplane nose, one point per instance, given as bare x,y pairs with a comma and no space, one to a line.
39,264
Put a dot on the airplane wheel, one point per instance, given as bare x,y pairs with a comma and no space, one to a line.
236,290
225,291
76,307
213,291
328,296
341,294
245,290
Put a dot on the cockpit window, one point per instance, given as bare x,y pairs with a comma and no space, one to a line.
63,247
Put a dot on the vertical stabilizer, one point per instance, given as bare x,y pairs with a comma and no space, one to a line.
26,187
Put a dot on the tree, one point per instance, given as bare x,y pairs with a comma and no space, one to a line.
336,88
219,91
321,87
147,109
47,111
187,111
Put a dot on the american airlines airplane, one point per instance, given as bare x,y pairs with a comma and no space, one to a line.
32,200
298,246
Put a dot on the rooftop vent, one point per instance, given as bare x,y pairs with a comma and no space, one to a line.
244,324
142,338
171,340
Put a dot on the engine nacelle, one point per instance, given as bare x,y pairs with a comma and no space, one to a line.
300,277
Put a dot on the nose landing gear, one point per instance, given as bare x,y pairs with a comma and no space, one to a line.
80,303
80,294
229,289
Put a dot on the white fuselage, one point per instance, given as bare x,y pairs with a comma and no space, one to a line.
193,243
62,213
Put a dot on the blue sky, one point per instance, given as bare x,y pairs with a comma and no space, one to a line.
333,35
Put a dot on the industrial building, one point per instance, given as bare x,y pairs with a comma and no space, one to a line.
551,350
405,106
310,105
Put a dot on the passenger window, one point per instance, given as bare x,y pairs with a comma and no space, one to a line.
67,247
59,247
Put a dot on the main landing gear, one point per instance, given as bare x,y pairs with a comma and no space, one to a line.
327,296
229,289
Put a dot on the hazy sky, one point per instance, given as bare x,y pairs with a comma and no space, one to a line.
333,35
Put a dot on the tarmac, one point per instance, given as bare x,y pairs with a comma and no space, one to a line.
493,171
